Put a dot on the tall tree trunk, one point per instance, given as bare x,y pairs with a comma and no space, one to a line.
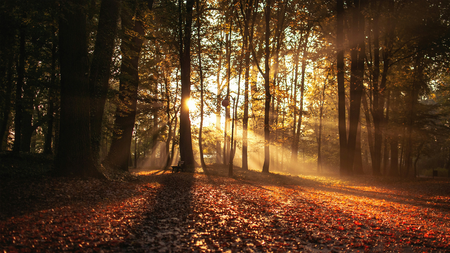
302,87
319,139
393,168
267,89
226,142
386,136
51,107
357,164
235,105
413,95
378,101
74,157
27,130
248,38
199,54
101,68
172,151
246,78
170,121
368,126
295,137
447,164
219,104
19,86
341,88
356,81
186,152
119,153
386,55
6,97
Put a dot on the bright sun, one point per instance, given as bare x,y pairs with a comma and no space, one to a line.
191,105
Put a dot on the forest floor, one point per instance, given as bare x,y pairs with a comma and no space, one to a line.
207,211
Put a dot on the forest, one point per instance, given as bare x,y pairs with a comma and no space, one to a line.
298,125
355,87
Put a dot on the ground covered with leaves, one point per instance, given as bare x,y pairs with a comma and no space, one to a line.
208,212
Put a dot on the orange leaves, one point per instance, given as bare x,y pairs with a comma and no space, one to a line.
185,212
357,223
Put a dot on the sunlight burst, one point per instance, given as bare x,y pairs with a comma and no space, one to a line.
191,105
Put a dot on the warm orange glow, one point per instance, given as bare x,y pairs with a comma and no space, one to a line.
191,105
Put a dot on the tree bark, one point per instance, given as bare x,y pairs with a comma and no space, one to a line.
295,138
219,104
6,104
368,126
356,81
27,130
267,90
447,164
51,101
101,68
226,143
186,151
74,157
118,156
199,53
248,38
19,86
378,101
341,88
393,170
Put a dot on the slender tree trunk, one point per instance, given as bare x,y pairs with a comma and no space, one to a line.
6,100
267,90
19,86
27,130
219,104
49,133
248,38
199,54
169,125
52,97
369,127
393,170
226,142
419,152
302,87
386,136
378,101
385,53
295,136
101,68
357,165
174,130
319,142
246,78
341,88
74,157
412,115
447,164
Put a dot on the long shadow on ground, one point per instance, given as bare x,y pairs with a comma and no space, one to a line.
366,186
164,226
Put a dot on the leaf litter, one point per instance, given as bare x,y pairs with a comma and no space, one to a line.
208,212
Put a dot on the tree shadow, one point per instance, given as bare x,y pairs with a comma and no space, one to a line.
259,179
164,226
24,195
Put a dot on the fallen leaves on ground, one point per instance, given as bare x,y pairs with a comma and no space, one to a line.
206,212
